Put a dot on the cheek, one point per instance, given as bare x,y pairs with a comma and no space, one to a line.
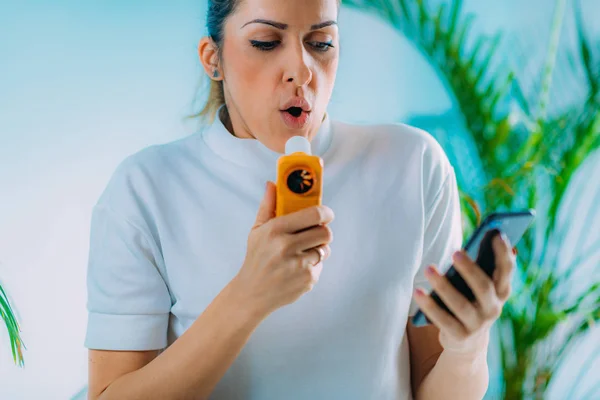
327,72
246,73
331,70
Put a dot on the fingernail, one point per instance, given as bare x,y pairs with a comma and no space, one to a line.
505,238
431,270
459,255
419,292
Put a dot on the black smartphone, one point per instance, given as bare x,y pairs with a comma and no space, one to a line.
513,224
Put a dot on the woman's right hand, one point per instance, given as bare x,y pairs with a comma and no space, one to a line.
281,261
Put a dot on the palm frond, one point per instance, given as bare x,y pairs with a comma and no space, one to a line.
585,142
442,37
590,64
14,333
531,150
586,121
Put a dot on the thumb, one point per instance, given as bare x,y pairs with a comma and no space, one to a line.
266,210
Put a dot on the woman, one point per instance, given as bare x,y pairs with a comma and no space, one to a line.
196,289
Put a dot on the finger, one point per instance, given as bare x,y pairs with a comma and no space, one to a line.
438,316
315,271
266,209
460,306
313,276
303,219
505,264
311,257
480,283
306,278
313,237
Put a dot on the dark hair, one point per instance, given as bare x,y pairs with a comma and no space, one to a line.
216,16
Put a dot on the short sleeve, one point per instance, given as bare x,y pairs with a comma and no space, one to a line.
128,301
442,233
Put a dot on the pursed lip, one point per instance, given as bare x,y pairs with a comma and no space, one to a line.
299,102
295,123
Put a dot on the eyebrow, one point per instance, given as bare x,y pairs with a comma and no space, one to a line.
282,26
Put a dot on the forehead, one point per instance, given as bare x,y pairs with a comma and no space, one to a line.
295,13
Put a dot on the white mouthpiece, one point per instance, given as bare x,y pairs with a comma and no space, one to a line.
297,143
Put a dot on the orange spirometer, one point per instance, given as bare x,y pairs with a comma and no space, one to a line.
299,177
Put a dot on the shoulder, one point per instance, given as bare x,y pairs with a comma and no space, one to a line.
405,146
142,172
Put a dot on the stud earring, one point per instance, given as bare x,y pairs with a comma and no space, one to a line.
215,74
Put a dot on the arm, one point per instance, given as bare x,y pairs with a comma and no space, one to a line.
129,304
439,374
461,370
448,358
190,367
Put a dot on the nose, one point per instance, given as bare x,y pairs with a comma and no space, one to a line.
297,69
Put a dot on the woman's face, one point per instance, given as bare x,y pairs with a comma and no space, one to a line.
276,55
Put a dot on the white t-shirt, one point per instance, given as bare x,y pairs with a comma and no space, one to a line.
170,230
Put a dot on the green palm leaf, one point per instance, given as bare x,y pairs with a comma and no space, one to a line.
442,37
585,121
14,335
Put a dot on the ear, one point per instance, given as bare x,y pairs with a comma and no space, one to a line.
209,57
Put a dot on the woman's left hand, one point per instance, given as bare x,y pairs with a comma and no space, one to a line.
468,331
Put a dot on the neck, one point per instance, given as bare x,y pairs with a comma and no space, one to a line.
223,115
225,118
252,154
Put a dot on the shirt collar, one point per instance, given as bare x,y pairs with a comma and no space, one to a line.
252,153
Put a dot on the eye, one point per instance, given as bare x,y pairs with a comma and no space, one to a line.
321,46
265,46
